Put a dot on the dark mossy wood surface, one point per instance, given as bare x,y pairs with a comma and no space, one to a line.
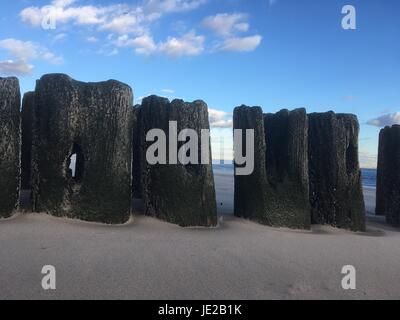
28,104
276,193
179,194
286,136
93,120
336,195
10,144
388,179
251,190
136,155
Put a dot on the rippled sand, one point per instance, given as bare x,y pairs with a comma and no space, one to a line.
150,259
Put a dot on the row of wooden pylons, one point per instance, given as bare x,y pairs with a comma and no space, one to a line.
306,170
306,167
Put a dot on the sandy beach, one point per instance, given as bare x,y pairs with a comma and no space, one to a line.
150,259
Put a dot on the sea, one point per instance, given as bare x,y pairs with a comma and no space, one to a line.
368,175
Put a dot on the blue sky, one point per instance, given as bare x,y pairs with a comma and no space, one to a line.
275,54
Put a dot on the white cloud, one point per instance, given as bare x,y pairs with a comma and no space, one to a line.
168,91
27,50
219,119
59,37
129,25
15,68
121,18
385,120
225,24
32,15
144,44
228,26
92,39
123,41
84,15
125,23
243,44
19,49
189,44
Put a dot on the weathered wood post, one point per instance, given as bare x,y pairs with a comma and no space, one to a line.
82,149
335,177
178,193
276,193
251,190
388,179
10,144
286,134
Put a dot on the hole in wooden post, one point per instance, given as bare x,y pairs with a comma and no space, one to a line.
76,163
